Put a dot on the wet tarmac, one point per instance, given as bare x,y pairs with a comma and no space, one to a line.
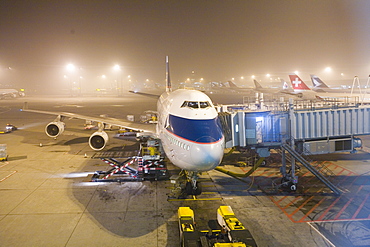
46,200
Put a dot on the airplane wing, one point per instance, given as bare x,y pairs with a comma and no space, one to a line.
8,93
111,121
146,94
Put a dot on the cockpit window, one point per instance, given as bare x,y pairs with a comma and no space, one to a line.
193,104
196,104
204,104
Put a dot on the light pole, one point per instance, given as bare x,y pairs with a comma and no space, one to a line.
79,84
70,68
117,68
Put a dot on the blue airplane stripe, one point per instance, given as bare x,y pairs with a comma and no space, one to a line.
201,131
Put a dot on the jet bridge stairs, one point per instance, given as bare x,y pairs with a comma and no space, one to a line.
320,170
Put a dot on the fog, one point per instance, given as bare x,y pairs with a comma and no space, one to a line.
208,40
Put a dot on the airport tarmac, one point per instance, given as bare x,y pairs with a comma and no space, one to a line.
46,200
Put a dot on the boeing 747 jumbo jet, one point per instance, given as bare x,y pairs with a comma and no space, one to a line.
188,127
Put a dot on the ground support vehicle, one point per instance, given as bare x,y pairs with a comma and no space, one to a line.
3,154
229,232
147,165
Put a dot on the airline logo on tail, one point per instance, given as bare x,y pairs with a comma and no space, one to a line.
297,82
286,86
317,82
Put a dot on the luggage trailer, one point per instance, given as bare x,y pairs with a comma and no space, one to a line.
148,165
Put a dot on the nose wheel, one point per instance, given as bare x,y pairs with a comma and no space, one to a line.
193,189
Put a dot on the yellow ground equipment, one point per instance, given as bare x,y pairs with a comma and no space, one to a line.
3,155
236,230
229,233
188,235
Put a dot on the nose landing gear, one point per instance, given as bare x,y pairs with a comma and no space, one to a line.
192,188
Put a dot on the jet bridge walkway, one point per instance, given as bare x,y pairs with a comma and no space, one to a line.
314,128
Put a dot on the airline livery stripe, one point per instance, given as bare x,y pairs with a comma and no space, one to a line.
185,146
195,130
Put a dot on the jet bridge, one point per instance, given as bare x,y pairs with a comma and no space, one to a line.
298,129
314,130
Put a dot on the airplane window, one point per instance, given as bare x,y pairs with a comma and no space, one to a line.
193,104
204,104
196,104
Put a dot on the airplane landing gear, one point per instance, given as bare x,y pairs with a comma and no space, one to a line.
191,189
192,186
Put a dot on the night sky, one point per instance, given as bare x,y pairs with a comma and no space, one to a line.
218,40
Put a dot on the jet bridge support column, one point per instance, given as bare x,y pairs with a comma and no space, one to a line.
289,179
283,163
293,178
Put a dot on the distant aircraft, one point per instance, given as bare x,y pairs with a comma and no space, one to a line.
297,83
286,91
188,127
320,86
258,87
299,86
11,93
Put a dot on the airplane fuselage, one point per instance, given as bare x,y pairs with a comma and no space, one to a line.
189,129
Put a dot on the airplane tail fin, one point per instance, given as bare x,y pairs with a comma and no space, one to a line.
232,84
317,82
286,86
168,79
297,82
257,85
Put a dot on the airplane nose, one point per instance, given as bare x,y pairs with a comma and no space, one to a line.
207,156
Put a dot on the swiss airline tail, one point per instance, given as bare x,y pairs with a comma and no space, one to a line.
297,83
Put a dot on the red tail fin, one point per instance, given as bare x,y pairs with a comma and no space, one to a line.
297,83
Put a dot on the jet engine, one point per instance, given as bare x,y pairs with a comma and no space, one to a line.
54,129
98,140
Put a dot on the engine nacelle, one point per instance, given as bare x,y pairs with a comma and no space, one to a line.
54,129
98,140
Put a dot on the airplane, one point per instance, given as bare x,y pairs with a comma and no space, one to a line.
329,95
188,127
320,86
11,93
285,91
